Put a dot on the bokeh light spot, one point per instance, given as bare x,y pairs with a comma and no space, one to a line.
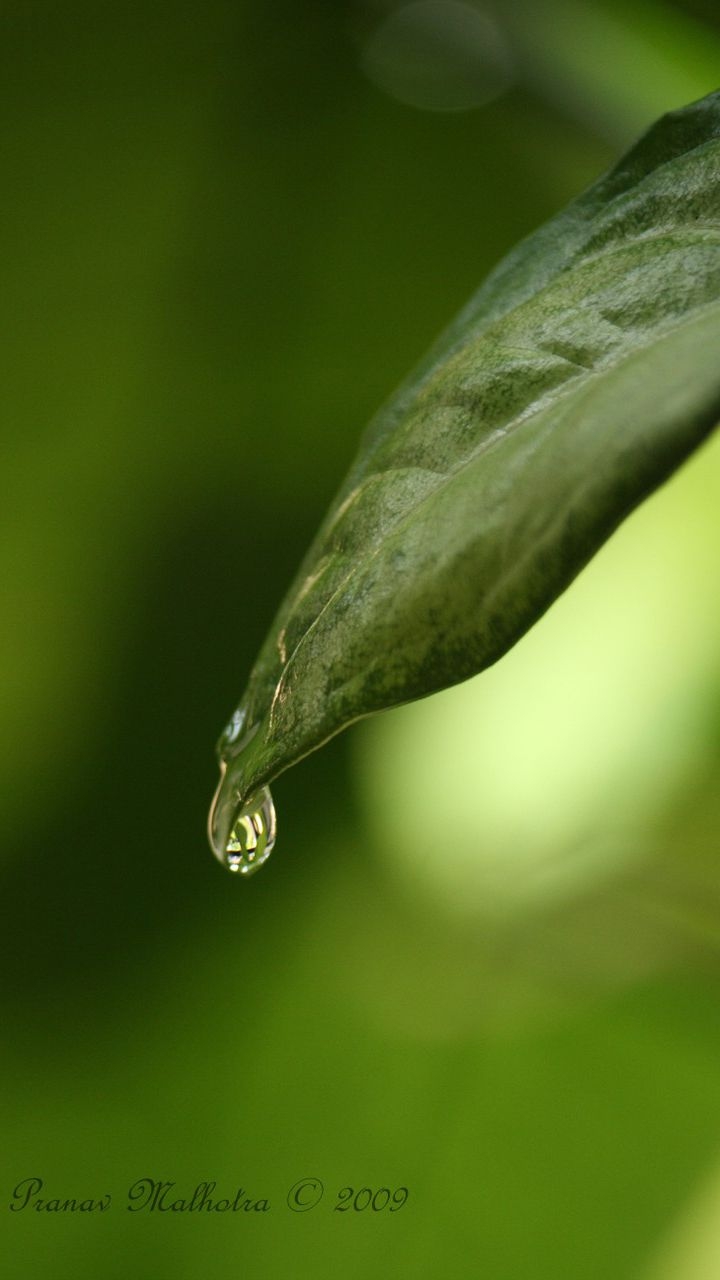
439,55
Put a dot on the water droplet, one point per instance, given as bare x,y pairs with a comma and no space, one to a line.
232,731
252,835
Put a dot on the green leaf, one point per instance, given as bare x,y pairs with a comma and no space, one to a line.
580,376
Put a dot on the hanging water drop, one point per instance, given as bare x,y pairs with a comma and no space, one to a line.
252,835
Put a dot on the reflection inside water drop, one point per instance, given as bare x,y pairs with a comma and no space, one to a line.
252,835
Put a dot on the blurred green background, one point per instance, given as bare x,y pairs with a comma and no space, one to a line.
483,961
